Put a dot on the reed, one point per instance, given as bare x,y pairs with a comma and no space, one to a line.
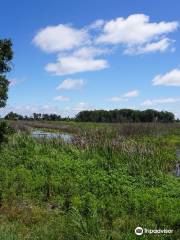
100,186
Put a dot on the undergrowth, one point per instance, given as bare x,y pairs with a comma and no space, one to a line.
99,187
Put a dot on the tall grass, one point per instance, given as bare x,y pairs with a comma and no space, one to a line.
101,186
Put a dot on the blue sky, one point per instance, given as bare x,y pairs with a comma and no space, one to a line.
76,55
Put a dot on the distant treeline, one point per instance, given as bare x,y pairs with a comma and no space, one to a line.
111,116
125,115
35,116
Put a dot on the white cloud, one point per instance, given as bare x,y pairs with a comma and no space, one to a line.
134,93
98,24
62,98
79,50
81,60
71,64
160,101
171,78
159,46
124,97
71,84
136,31
74,47
90,52
60,37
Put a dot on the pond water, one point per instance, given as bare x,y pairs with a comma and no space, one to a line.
50,135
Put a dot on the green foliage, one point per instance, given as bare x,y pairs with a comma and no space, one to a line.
100,187
103,116
5,129
125,115
13,116
6,55
3,90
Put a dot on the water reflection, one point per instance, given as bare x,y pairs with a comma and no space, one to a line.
43,134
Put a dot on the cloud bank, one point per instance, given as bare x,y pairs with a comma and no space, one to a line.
84,49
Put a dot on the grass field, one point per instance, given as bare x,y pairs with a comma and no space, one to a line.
110,179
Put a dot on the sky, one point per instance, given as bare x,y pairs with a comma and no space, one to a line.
79,55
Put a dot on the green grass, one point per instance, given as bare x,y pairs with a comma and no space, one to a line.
99,188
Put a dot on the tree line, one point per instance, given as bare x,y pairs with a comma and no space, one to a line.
111,116
125,115
36,117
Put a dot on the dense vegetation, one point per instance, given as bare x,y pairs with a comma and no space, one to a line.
35,116
108,180
6,55
101,186
112,116
125,115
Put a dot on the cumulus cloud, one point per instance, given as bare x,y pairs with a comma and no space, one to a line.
74,47
71,84
81,49
160,101
62,98
124,97
70,64
90,52
171,78
136,29
97,25
159,46
60,37
137,33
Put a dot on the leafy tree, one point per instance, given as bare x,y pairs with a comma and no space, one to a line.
6,55
13,116
125,115
51,117
36,116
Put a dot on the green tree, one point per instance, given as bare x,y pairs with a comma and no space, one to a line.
125,115
13,116
6,55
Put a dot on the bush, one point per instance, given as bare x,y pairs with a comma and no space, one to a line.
5,129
